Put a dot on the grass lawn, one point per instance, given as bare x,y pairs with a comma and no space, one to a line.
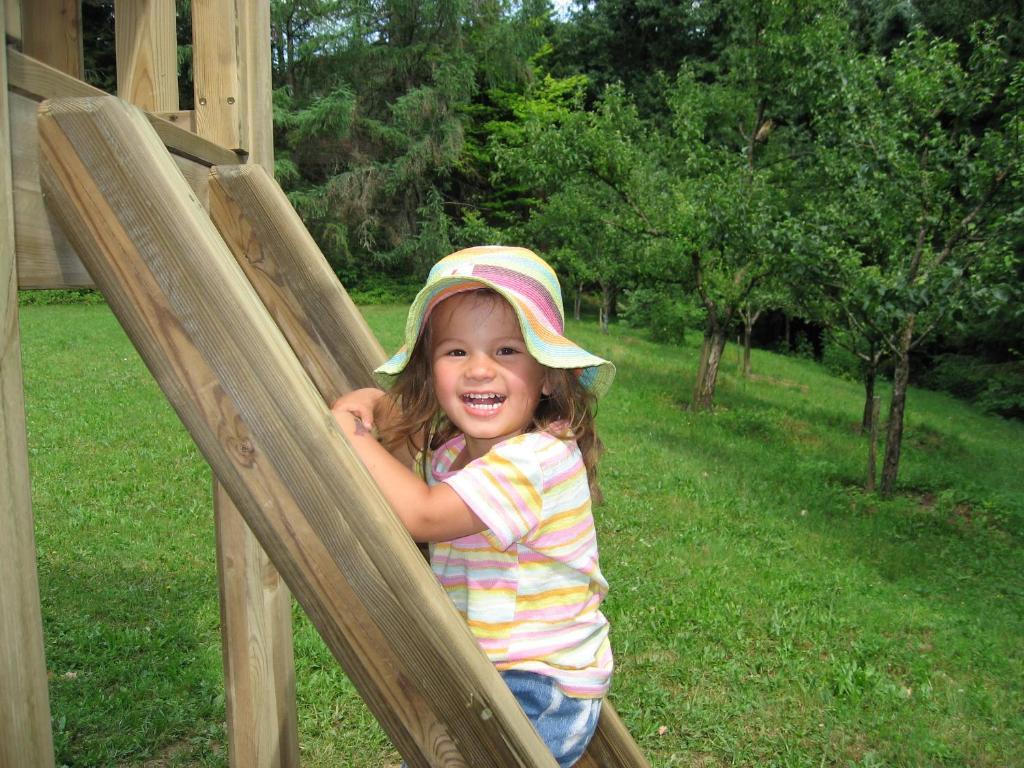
765,611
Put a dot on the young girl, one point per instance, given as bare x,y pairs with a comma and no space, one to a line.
498,406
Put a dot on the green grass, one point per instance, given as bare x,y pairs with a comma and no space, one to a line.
765,611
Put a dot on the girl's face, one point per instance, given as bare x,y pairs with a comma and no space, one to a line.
486,381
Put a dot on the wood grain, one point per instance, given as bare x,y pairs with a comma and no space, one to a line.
286,267
259,673
51,31
147,54
39,81
45,258
25,736
215,69
12,16
262,425
256,625
257,124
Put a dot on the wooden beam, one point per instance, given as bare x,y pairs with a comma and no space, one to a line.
52,33
45,258
292,277
12,15
147,53
328,334
183,118
216,73
257,124
25,736
38,81
256,626
261,424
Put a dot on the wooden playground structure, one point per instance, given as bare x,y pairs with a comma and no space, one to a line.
176,217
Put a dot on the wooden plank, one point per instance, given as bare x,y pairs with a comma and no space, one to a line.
45,258
260,693
262,425
38,81
327,332
25,737
52,33
256,626
216,73
294,281
183,118
147,53
257,123
12,15
612,745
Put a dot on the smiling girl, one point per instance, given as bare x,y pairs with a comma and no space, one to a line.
496,404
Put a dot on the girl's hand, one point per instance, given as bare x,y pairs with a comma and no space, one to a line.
359,403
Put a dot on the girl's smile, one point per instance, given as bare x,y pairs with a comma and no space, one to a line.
485,379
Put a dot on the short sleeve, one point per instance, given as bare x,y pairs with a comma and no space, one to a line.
504,489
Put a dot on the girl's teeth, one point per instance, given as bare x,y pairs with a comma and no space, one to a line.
483,401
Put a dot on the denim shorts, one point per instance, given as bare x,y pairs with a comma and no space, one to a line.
564,723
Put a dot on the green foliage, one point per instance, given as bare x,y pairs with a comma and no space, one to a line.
993,387
666,314
51,297
838,360
372,109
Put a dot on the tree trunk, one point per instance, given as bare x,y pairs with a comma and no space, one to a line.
789,343
707,372
870,375
577,302
894,435
606,307
747,333
873,408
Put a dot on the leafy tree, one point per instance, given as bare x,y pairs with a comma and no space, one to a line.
374,101
631,42
920,193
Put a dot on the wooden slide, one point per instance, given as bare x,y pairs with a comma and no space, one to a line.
249,352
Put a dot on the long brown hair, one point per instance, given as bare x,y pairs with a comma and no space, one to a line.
417,423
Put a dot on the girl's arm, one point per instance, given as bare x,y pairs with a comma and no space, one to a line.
429,513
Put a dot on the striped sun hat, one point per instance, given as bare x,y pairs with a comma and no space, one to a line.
527,282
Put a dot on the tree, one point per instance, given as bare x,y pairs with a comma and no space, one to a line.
373,105
930,189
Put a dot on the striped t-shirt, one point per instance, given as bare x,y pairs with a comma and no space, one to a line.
529,586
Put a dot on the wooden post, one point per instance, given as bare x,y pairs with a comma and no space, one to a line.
216,73
256,619
256,638
12,15
256,122
25,736
147,53
52,32
255,415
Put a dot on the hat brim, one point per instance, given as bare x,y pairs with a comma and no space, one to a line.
548,347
